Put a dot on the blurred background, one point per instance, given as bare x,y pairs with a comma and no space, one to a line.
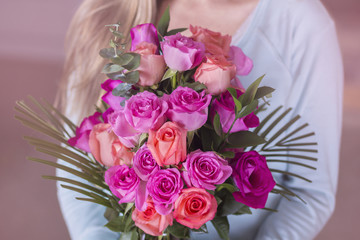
31,57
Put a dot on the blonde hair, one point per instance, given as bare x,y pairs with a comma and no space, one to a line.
79,88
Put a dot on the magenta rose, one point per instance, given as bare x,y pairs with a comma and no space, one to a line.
144,163
142,112
253,178
164,187
81,139
108,97
143,33
225,107
123,182
187,107
242,62
205,170
182,53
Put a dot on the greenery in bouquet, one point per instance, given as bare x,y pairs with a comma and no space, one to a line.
171,148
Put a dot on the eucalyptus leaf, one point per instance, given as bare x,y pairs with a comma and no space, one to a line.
108,53
245,139
131,77
124,58
121,89
112,68
134,63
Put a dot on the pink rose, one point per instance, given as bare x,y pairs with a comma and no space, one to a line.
242,62
152,66
187,107
81,140
106,147
182,53
142,112
168,144
215,43
205,170
123,182
194,207
216,73
144,163
225,107
164,187
143,33
108,97
253,178
150,221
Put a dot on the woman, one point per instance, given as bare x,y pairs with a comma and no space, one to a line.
293,42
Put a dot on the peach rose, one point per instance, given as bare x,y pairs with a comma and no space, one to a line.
152,66
168,144
150,221
215,43
216,73
106,147
194,207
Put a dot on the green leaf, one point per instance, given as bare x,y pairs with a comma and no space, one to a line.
110,214
228,205
263,92
128,207
202,229
221,224
124,58
163,24
249,109
231,188
175,31
250,92
245,139
178,230
217,125
227,154
238,105
133,235
206,140
197,86
121,89
116,224
243,210
169,74
112,68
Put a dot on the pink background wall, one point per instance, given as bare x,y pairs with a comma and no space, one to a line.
31,55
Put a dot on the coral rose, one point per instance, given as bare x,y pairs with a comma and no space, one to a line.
168,144
215,43
106,147
150,221
216,73
152,66
194,207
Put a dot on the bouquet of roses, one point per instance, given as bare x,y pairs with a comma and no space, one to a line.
167,151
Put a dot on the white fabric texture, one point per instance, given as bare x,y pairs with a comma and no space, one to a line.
294,43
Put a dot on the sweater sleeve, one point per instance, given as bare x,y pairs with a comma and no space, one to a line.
316,67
